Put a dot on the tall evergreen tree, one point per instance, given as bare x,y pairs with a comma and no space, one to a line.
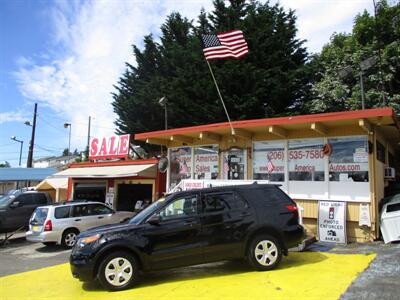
271,80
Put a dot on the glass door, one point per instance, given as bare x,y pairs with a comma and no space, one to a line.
234,165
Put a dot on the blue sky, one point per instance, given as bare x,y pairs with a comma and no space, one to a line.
66,56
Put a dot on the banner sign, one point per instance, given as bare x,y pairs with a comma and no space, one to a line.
116,146
275,157
332,222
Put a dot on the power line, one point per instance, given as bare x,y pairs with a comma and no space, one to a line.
75,122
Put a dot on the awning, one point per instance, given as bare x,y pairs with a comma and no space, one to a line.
145,170
53,183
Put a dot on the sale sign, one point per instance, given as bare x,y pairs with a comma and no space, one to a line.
116,146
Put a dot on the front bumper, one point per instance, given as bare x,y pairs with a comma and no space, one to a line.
42,237
82,266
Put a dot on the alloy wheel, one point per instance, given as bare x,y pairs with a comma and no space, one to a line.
70,239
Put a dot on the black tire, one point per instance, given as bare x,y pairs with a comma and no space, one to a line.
131,272
268,260
68,239
47,244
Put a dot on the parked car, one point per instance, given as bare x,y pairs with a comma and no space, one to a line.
390,220
61,224
256,222
17,207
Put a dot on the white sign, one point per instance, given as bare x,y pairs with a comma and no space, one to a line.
306,160
332,222
365,218
110,199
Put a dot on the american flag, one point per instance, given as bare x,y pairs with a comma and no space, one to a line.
224,45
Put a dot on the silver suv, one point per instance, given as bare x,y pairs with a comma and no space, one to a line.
60,224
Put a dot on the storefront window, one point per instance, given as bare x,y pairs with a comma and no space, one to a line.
234,164
206,162
306,160
180,164
348,160
269,161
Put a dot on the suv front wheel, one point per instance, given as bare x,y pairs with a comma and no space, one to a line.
264,252
118,271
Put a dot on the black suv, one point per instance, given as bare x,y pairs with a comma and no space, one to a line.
258,222
17,207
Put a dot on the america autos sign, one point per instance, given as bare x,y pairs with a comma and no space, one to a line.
116,146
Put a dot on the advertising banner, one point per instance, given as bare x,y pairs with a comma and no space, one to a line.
332,222
306,160
267,162
116,146
205,165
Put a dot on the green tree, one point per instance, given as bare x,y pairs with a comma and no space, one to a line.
271,80
377,37
6,164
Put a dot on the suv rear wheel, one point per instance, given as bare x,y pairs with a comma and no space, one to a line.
118,271
69,238
264,252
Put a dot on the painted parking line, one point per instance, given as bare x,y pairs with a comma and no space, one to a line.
307,275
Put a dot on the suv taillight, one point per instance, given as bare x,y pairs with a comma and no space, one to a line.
292,207
48,226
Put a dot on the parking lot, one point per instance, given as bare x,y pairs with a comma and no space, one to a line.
323,272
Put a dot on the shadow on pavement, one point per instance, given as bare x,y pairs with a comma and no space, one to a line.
224,268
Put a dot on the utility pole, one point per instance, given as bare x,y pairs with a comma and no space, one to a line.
88,139
32,142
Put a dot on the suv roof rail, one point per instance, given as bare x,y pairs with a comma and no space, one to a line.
75,201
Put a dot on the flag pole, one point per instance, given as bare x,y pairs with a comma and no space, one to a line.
222,100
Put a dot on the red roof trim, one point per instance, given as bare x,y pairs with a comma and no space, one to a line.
113,163
323,117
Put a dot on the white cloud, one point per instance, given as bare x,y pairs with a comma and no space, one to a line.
319,19
92,42
12,117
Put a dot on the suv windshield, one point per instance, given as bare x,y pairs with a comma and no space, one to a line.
6,199
148,211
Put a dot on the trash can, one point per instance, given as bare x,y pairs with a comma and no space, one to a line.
390,221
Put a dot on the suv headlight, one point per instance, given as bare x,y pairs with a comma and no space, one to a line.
88,240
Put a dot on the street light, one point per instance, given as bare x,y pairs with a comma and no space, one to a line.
163,102
20,151
66,125
364,66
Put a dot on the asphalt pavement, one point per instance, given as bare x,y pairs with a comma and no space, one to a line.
19,255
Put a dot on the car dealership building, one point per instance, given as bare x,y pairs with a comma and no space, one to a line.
347,157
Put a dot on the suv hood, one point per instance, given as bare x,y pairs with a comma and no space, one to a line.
107,229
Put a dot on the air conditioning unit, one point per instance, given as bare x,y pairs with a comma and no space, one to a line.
390,173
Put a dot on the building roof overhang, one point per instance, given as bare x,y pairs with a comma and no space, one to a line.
383,118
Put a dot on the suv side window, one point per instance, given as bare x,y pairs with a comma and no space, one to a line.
99,209
180,208
80,210
39,198
218,202
24,199
240,203
62,212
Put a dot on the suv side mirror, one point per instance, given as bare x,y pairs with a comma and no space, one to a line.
14,204
154,220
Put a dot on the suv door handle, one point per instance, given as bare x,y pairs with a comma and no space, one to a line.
100,217
77,220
